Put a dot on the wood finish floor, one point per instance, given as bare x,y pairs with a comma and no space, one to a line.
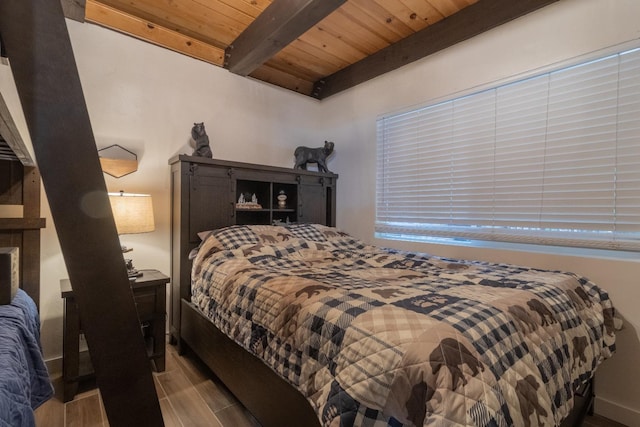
189,394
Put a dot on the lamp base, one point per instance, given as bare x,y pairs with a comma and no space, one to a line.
132,272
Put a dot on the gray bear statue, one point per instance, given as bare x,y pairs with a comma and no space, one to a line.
201,139
318,155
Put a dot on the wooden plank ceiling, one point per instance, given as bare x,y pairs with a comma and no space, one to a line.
315,47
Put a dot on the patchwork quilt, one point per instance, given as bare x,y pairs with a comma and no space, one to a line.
381,337
24,380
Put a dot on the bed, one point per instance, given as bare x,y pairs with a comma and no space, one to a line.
310,326
24,379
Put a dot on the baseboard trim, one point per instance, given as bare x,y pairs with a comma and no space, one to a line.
54,366
616,412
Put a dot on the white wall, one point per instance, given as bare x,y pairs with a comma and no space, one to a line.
146,99
561,31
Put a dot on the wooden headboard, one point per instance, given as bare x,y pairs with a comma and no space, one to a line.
20,221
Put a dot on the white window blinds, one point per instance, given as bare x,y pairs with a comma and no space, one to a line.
553,159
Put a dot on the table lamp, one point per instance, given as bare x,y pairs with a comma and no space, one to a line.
133,213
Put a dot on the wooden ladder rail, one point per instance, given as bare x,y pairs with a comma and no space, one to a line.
37,44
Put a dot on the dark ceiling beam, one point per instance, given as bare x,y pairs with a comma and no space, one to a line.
470,21
48,84
278,25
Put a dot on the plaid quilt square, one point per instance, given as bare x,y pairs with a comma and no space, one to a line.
327,326
235,236
312,232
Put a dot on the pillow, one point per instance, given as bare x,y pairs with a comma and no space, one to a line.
204,234
313,232
236,236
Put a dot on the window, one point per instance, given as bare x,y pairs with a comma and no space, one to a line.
553,159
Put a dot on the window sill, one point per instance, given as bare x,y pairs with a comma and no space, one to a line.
520,247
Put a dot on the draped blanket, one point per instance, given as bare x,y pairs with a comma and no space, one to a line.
378,337
24,380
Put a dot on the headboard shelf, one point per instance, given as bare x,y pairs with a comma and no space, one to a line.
205,196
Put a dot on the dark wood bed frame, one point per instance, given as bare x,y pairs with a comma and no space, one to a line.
272,400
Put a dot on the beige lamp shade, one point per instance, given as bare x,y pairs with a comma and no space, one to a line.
133,213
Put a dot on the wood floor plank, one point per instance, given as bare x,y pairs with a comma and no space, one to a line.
85,412
51,413
159,389
103,412
193,369
186,401
168,414
216,397
171,358
600,421
236,415
215,394
189,395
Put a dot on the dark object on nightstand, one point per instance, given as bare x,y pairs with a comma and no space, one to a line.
132,272
149,293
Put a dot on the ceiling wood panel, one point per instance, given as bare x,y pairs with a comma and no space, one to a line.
216,23
332,45
424,10
249,8
469,22
316,54
449,7
305,58
402,13
384,19
340,25
115,19
369,23
271,75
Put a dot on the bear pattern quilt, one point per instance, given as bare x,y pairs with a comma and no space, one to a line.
380,337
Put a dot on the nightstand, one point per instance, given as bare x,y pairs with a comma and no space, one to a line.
149,294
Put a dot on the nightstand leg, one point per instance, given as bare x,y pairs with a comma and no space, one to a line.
70,349
159,329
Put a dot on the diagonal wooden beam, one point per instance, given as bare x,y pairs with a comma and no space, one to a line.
45,73
278,25
470,21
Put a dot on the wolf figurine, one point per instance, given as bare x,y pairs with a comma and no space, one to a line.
318,155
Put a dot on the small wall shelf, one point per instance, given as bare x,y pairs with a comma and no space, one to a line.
205,194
